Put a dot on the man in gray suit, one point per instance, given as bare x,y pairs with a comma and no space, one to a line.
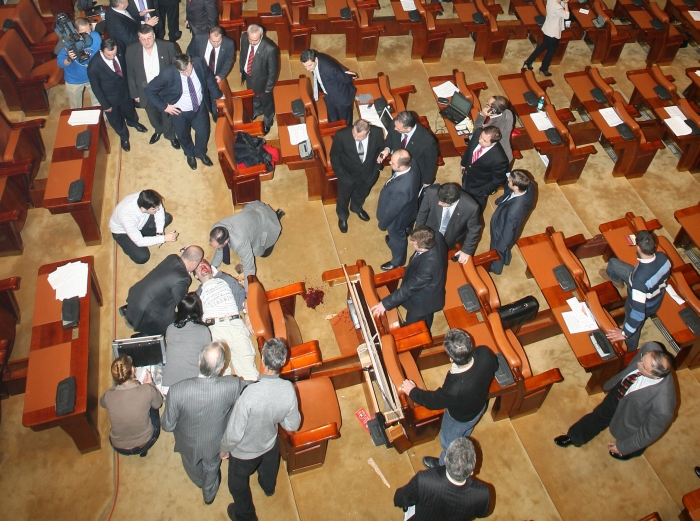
197,412
638,408
249,233
145,60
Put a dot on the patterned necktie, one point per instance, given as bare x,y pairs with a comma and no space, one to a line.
477,154
193,94
212,60
249,65
227,255
626,384
404,140
117,68
361,151
315,73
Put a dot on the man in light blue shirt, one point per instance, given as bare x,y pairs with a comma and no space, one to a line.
75,72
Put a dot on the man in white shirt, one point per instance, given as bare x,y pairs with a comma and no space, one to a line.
222,314
138,222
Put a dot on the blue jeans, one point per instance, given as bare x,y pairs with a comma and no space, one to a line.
620,271
451,429
155,421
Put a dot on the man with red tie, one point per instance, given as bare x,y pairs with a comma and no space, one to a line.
484,164
259,68
106,74
218,51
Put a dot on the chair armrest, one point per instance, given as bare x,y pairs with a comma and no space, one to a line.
33,123
422,414
652,145
248,93
543,380
251,171
254,128
34,79
486,258
382,279
10,284
286,291
329,129
587,149
407,89
565,115
9,216
476,87
303,356
312,437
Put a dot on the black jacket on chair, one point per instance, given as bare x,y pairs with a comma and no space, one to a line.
166,88
227,53
484,177
345,160
339,87
137,73
266,64
507,222
422,146
398,200
422,288
465,223
122,28
151,302
109,88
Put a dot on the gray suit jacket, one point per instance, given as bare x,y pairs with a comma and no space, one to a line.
642,416
504,122
197,412
136,74
251,232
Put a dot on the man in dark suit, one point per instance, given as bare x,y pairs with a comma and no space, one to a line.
335,81
507,222
422,290
484,164
201,15
353,156
151,302
122,25
398,206
144,61
197,412
418,140
639,406
217,50
144,10
455,214
260,66
447,493
106,74
185,91
169,13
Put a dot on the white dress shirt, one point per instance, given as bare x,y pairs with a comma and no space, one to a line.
251,48
185,101
151,64
128,219
641,382
110,63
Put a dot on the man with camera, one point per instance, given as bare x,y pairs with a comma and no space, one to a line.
75,70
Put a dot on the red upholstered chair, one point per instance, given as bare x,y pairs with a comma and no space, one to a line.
23,82
35,30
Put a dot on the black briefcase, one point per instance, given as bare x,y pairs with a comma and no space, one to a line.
519,312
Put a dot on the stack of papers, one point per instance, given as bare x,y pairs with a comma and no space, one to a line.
84,117
674,112
369,114
610,116
408,5
445,90
579,319
695,15
541,121
678,126
70,280
297,133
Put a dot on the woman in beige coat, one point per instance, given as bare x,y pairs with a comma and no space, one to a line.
557,13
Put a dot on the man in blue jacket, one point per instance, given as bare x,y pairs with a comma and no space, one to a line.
335,81
74,71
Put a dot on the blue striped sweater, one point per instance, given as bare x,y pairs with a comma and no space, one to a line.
646,289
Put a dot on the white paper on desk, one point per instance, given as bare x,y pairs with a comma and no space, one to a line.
408,5
675,296
610,117
541,121
70,280
297,133
583,11
445,90
674,112
369,114
544,159
697,73
695,15
678,126
409,513
84,117
578,322
580,308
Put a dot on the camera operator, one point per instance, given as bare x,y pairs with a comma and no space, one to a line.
74,72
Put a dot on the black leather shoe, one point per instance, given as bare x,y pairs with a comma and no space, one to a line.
210,501
126,146
206,161
144,454
192,162
527,66
229,512
563,441
140,128
545,73
363,215
266,130
697,471
388,266
343,225
430,463
175,144
122,311
619,456
176,36
154,138
280,213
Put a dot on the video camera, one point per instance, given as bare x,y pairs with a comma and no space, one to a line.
72,39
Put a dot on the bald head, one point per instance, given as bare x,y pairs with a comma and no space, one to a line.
192,256
212,359
400,160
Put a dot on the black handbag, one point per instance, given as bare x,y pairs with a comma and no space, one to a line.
519,312
249,151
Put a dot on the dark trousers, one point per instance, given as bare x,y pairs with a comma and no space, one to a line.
171,12
140,254
263,103
122,115
239,472
549,47
412,318
198,121
155,421
338,112
397,243
620,271
160,121
353,192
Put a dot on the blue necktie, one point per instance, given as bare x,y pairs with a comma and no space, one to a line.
227,255
193,94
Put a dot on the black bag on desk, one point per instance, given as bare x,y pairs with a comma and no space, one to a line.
298,108
82,140
249,151
518,312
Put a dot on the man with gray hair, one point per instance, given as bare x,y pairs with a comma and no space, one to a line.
260,66
196,412
250,441
447,493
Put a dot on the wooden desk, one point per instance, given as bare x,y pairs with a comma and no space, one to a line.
608,41
689,234
491,36
691,502
692,92
662,45
56,353
69,164
526,12
677,10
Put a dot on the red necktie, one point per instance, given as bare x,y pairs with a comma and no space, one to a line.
117,68
477,154
212,60
403,141
626,384
249,65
